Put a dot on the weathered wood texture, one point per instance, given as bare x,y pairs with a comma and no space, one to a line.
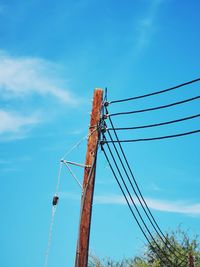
88,185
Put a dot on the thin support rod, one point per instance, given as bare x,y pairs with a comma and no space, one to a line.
76,164
74,176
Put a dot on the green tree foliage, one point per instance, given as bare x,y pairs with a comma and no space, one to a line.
182,245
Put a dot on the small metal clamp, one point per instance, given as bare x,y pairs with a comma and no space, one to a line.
105,116
106,104
103,128
102,142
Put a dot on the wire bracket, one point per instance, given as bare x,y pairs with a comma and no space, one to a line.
75,163
73,175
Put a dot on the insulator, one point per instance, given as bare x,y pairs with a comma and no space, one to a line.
55,200
103,129
105,116
106,103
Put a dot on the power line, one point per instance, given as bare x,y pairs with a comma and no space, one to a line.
162,236
155,93
155,108
136,184
136,219
152,138
153,125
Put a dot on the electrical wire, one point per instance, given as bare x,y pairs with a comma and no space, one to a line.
161,234
53,211
155,93
134,202
153,125
153,138
57,192
154,108
129,205
135,182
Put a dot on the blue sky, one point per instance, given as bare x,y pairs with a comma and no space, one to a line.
52,56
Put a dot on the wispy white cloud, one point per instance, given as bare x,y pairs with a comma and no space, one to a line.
21,79
12,124
174,206
22,76
182,207
146,25
155,204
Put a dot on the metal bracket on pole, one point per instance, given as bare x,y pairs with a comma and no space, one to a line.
74,176
75,164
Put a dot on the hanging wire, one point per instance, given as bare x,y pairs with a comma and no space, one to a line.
129,205
153,138
62,161
154,108
140,198
143,202
135,182
153,125
53,211
141,218
57,193
58,180
155,93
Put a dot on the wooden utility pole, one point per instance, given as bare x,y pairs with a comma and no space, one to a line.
191,260
88,182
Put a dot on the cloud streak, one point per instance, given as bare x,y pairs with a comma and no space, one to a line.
22,80
181,207
12,122
13,125
22,76
155,204
146,25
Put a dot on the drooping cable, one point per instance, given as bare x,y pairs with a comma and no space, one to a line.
134,180
154,108
153,125
54,207
155,93
154,138
129,205
53,212
130,196
140,198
